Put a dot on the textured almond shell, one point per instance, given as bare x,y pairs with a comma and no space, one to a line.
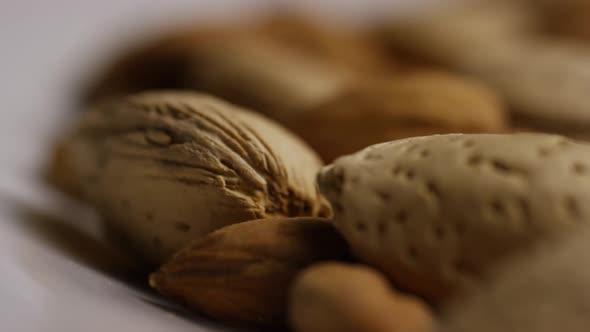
167,167
434,212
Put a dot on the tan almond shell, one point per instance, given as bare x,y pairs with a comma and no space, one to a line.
338,297
167,167
433,212
241,274
543,290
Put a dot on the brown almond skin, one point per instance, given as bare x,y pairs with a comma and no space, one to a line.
418,103
241,274
336,297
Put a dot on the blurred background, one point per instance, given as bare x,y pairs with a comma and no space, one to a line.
53,52
48,48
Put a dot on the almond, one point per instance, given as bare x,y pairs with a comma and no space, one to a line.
434,212
461,33
542,80
337,44
166,167
413,104
241,273
266,76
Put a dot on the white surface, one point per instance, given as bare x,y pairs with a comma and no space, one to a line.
45,47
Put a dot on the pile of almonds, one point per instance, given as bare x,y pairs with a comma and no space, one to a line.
203,151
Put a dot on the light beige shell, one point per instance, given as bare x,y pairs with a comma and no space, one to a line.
167,167
434,211
543,290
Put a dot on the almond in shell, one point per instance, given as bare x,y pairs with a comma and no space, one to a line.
164,168
435,212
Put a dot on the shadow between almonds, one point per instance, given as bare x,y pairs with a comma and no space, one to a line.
77,245
100,256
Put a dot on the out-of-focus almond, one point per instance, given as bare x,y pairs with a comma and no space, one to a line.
266,76
543,80
415,104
